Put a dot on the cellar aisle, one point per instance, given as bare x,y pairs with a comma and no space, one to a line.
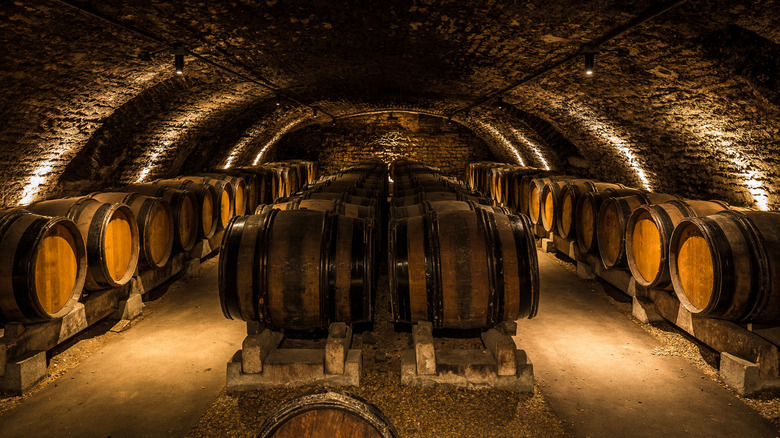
155,379
597,369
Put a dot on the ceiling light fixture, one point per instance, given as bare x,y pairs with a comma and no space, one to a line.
178,58
392,118
278,100
590,61
500,103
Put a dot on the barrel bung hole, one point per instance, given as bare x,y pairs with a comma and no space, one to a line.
609,232
56,269
646,247
694,266
118,244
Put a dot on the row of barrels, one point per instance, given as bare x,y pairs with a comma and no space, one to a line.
54,250
310,259
721,261
454,259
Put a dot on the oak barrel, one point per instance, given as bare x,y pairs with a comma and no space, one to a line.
239,187
110,233
570,195
551,202
207,200
297,269
155,225
183,204
727,265
224,200
43,266
327,415
586,216
463,269
403,212
648,232
611,224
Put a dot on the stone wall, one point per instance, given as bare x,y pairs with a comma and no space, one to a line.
431,140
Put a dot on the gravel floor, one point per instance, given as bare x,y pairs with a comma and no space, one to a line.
415,412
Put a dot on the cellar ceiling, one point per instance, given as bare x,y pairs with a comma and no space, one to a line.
686,103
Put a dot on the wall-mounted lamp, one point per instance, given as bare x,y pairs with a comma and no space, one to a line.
392,118
178,58
278,100
590,60
314,111
500,103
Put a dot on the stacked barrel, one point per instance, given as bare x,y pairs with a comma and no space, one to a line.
310,259
454,259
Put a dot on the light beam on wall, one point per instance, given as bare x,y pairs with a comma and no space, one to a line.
279,134
501,139
532,145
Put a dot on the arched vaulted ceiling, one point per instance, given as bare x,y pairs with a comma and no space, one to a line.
686,103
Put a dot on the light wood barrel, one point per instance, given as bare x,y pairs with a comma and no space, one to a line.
297,269
463,269
43,266
612,221
552,202
586,216
570,195
224,197
239,188
727,265
403,212
184,207
207,202
526,187
110,233
155,225
329,415
648,232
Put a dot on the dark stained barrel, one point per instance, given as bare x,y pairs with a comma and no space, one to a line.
587,213
647,237
336,206
331,415
297,269
403,212
207,203
183,204
612,221
43,266
155,225
727,265
463,269
110,233
570,195
224,197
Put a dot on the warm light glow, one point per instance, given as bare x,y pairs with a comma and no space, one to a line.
588,72
607,134
36,180
279,134
503,140
534,147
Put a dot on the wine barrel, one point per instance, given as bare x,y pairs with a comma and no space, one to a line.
183,204
43,266
335,206
526,189
648,232
727,265
328,414
239,188
224,199
403,212
611,224
551,202
155,225
110,233
463,269
570,195
297,269
207,199
420,197
586,217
